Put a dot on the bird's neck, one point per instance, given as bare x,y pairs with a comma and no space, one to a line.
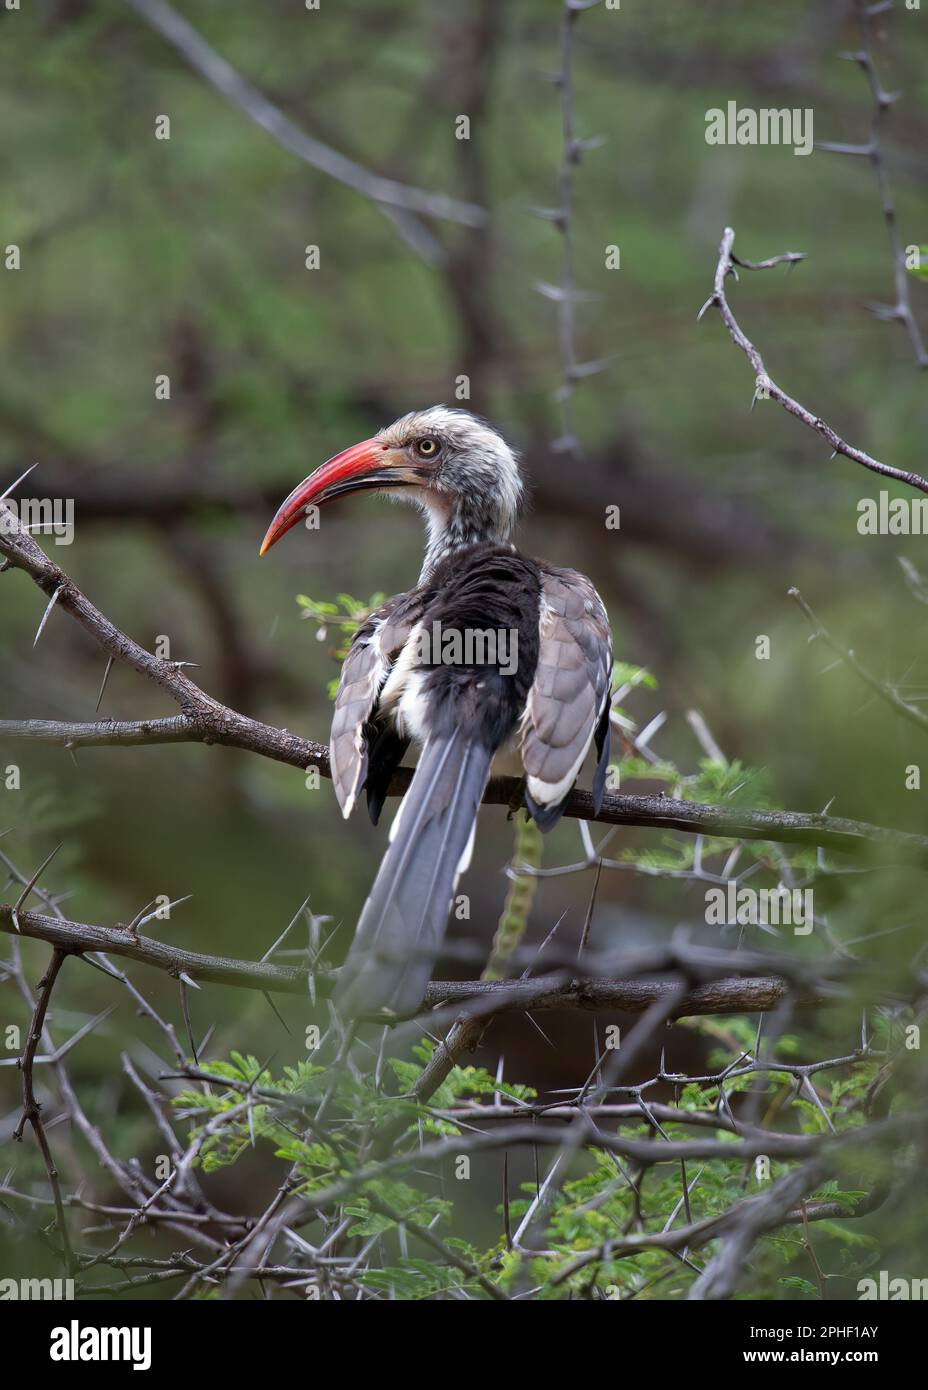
453,525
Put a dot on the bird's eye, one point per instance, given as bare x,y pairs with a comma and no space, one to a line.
427,448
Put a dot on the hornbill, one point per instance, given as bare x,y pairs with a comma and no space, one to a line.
396,687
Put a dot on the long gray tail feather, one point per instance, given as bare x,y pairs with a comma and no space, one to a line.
402,926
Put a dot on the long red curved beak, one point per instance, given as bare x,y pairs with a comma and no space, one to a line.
370,464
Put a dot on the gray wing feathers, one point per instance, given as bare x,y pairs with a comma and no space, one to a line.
571,685
364,671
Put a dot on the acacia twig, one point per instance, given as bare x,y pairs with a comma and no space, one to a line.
214,723
204,719
901,311
723,995
566,294
765,386
32,1110
885,692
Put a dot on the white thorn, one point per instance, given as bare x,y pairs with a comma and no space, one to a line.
13,486
51,603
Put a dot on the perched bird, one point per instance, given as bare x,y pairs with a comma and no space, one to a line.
423,668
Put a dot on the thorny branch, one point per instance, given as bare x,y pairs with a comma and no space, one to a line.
204,719
565,294
886,692
593,992
764,386
32,1110
740,1225
901,311
176,1202
226,1252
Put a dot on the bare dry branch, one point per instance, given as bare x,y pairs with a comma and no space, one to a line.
32,1110
766,387
206,720
724,995
901,311
398,201
233,730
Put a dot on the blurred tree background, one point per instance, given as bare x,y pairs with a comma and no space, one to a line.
187,257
